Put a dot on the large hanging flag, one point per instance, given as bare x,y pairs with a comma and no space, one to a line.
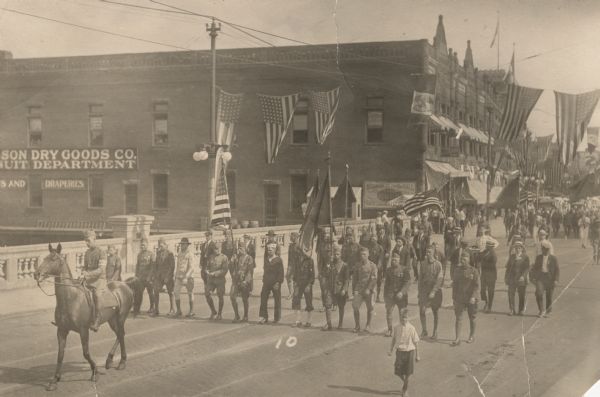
278,114
228,113
421,201
325,105
314,216
519,104
592,138
573,114
221,210
542,148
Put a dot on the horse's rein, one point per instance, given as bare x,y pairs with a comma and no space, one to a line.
57,283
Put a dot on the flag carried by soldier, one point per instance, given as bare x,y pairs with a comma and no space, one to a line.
317,214
221,210
573,114
325,105
422,201
278,114
228,113
517,108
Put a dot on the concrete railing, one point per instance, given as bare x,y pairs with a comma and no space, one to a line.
18,264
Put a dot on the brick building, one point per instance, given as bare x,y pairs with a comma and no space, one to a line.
84,138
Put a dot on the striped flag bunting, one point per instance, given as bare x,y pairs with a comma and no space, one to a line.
573,114
519,104
422,201
228,113
278,114
542,148
221,210
526,196
325,105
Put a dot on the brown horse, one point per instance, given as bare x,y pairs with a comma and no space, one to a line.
74,313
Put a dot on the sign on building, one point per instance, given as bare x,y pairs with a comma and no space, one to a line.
64,184
68,159
13,184
386,194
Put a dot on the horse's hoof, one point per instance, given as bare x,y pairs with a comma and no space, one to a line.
94,377
108,364
51,386
122,365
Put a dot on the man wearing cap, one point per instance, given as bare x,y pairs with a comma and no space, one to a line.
271,237
430,284
94,274
397,224
465,290
241,268
350,253
250,247
420,244
303,277
184,276
486,237
363,284
377,256
323,257
395,290
113,264
489,274
545,274
228,246
336,282
144,272
516,276
207,251
294,256
217,268
272,278
165,268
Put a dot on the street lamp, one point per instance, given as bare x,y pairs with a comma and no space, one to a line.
209,150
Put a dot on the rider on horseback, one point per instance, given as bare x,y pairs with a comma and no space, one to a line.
94,274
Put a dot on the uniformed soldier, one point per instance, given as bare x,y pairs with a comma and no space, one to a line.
350,253
431,279
217,268
303,277
337,279
184,276
365,281
144,272
113,264
228,246
207,251
241,269
377,256
272,279
250,246
294,256
94,274
323,257
395,290
165,268
465,291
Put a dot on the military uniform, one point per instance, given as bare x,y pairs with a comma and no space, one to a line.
516,278
272,279
94,271
364,282
164,273
303,278
431,279
397,281
489,274
144,272
184,276
336,275
241,269
377,256
351,256
216,270
113,267
294,255
465,291
207,251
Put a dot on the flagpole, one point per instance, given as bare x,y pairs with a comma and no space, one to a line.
346,199
330,206
212,29
498,57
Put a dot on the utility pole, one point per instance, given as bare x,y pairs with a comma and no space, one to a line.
213,30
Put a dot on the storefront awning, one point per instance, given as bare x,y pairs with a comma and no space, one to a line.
438,173
444,123
474,133
478,190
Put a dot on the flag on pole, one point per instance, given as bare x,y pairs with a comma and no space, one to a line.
313,213
311,195
592,138
519,104
496,32
526,196
228,113
573,114
509,78
278,114
344,196
221,210
422,201
325,105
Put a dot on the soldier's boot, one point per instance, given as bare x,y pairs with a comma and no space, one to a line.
327,327
423,323
457,329
471,330
191,313
155,306
236,313
435,324
221,303
356,320
369,317
96,313
171,304
340,317
246,304
178,304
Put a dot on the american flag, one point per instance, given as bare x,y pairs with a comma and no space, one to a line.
278,113
526,196
228,113
554,171
542,148
325,105
422,201
573,113
519,104
221,211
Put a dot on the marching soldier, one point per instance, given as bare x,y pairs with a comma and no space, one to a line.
165,268
465,290
489,274
216,270
228,245
377,256
184,276
241,269
294,256
364,282
395,290
431,279
250,247
323,257
113,264
336,282
350,252
303,277
144,272
272,279
94,274
207,251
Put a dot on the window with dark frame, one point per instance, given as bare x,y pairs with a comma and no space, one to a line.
34,125
36,197
230,176
298,190
96,120
160,127
374,119
300,123
96,191
160,191
431,138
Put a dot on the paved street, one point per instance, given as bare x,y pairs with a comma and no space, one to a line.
512,356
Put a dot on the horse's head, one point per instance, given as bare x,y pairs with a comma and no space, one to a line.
51,265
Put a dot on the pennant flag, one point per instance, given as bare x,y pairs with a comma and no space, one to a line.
496,33
422,103
311,196
592,138
278,113
221,210
343,199
573,113
313,212
228,113
509,78
519,104
422,201
325,105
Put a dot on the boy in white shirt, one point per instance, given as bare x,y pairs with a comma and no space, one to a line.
405,341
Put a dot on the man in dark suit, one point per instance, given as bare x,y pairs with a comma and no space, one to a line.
545,275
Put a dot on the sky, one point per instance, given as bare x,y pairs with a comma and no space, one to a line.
556,41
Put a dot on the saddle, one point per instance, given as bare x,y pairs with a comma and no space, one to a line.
106,298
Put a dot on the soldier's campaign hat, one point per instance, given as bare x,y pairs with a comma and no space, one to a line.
457,229
490,244
247,237
89,234
464,243
184,240
543,231
399,237
546,244
518,243
271,233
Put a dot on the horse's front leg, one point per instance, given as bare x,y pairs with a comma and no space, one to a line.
62,342
85,346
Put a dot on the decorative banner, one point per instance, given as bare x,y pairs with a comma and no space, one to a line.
64,184
13,184
68,159
423,103
381,194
